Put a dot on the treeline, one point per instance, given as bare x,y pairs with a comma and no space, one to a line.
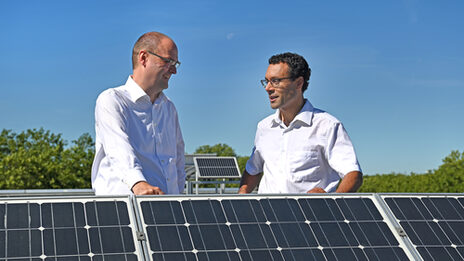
449,177
40,159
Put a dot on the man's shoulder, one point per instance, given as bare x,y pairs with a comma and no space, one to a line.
266,122
323,117
111,95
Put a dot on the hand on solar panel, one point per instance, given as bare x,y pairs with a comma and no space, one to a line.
143,188
316,190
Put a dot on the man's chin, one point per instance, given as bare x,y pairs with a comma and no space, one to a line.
274,106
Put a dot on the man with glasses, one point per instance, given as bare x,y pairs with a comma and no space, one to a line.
299,149
139,145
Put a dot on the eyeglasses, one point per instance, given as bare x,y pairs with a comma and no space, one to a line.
274,82
167,60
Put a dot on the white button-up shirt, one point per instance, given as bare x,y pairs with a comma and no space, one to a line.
136,140
313,151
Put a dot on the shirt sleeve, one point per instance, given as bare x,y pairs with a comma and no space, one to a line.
111,131
255,163
180,164
340,151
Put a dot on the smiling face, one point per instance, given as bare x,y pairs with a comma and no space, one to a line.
158,72
287,93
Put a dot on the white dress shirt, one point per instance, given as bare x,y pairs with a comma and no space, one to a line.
313,151
136,140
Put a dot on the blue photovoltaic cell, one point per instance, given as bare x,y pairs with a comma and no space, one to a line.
435,224
265,228
94,230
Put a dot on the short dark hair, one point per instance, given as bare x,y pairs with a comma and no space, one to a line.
297,66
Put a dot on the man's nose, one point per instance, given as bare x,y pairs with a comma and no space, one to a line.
172,69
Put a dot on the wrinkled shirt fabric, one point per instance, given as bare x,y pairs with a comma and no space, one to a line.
136,140
313,151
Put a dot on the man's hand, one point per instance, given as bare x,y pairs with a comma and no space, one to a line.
316,190
143,188
249,182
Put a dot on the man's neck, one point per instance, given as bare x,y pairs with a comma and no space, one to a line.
152,92
287,114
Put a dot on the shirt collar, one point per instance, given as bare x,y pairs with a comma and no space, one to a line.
136,92
305,115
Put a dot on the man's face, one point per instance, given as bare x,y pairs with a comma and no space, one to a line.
286,92
158,71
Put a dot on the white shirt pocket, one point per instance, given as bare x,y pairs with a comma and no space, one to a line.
304,166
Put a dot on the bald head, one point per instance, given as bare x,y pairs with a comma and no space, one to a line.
148,41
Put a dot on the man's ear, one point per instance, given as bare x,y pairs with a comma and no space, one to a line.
300,82
142,58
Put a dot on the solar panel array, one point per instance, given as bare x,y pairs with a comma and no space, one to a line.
237,227
216,167
434,223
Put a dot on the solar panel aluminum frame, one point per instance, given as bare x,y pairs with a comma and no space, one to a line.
134,222
377,201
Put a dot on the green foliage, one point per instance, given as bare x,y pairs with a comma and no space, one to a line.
220,149
39,159
242,162
448,178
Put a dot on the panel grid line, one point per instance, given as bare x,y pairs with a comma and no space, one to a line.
94,203
280,226
262,232
299,227
357,223
120,229
312,231
240,228
75,231
87,230
188,230
29,230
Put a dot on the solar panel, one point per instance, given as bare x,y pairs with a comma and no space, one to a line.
260,227
67,229
433,223
216,167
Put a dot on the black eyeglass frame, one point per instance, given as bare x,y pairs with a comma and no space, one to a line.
274,81
167,60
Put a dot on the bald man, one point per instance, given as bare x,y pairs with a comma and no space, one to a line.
139,145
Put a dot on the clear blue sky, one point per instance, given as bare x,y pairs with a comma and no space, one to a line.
391,71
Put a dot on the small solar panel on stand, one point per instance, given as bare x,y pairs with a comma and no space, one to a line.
220,171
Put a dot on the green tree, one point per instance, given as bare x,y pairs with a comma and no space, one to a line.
39,159
220,149
448,178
